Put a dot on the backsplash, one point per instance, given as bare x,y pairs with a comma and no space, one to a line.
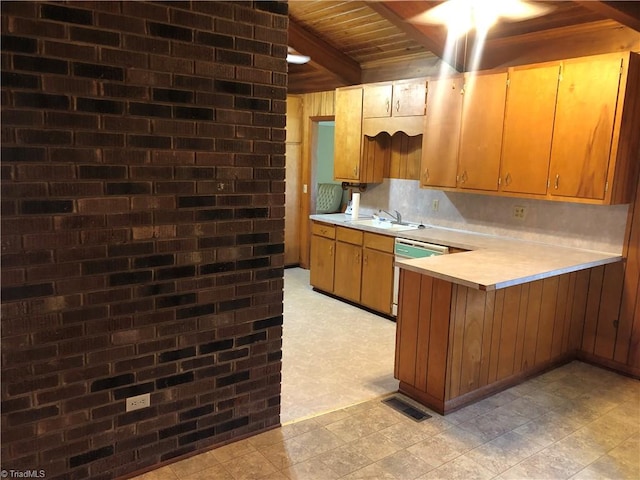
593,227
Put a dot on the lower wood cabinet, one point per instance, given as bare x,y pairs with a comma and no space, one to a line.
354,265
322,261
348,263
377,273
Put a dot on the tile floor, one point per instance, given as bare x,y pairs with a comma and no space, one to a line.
575,422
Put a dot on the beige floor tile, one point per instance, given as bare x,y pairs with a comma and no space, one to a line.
317,441
194,464
285,454
375,446
549,428
546,464
351,428
217,472
375,471
609,468
628,451
405,434
251,466
494,423
504,452
313,469
404,465
585,445
461,468
344,460
238,449
445,446
471,411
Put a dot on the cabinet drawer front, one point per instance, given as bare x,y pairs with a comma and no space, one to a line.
349,235
383,243
323,230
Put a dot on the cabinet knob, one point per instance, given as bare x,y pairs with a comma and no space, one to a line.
426,174
330,250
387,105
556,184
397,105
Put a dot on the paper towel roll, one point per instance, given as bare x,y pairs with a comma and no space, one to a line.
355,206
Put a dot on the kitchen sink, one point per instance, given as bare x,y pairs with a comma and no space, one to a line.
386,225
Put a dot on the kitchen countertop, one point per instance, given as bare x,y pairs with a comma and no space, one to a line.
493,262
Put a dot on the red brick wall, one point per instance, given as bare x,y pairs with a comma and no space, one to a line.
142,229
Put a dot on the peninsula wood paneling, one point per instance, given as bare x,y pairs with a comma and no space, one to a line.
467,341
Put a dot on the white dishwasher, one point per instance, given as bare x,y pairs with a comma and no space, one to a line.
405,248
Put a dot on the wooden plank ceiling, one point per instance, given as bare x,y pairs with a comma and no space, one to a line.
352,42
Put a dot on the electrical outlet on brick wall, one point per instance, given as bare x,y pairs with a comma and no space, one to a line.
138,402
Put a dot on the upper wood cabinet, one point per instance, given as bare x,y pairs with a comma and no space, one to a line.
402,98
564,130
350,165
348,134
528,128
595,137
441,133
481,130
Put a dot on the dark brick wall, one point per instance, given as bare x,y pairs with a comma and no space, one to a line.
142,229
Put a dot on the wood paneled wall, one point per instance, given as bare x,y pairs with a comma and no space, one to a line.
612,322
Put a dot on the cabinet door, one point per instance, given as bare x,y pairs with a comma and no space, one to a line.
322,263
408,98
377,280
348,271
481,131
441,133
348,134
528,129
583,129
377,101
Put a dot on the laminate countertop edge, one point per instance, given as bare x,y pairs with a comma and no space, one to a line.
493,262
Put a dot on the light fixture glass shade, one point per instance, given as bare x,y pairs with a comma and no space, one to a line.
295,57
460,16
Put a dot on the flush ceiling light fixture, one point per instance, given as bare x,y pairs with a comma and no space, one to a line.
462,16
295,57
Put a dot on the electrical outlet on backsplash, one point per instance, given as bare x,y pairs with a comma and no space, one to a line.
593,227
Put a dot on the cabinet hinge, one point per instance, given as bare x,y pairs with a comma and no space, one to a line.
560,74
508,82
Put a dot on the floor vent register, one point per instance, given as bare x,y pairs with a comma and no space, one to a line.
406,409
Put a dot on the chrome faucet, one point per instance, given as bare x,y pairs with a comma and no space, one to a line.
397,218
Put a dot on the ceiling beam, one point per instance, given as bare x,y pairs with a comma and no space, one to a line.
430,37
625,13
323,55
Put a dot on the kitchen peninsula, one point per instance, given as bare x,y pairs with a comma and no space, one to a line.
473,323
